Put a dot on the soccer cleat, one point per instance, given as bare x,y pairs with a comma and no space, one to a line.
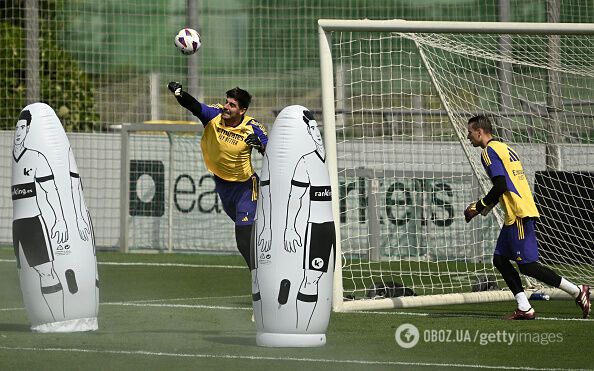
583,300
522,315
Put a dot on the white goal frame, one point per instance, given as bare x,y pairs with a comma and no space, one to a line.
325,28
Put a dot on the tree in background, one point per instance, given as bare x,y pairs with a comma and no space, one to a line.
64,86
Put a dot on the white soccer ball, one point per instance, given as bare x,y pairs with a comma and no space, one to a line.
187,41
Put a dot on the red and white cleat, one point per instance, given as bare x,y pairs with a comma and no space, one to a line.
522,315
583,300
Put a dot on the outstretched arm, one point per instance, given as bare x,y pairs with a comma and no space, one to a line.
204,112
184,98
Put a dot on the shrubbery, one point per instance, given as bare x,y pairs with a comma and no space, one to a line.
63,85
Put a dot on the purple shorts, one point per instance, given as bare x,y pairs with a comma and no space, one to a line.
517,242
239,199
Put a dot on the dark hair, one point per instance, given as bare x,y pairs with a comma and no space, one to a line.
481,122
307,117
241,96
25,115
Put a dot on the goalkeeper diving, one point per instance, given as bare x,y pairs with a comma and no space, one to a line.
227,142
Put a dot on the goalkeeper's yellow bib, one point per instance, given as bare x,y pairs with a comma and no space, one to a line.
500,160
225,152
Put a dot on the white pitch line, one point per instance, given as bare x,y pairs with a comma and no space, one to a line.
242,267
151,303
192,306
200,306
131,264
289,359
194,298
417,314
173,265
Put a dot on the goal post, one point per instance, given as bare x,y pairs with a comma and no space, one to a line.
396,97
168,199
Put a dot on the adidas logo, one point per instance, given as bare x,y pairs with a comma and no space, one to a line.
245,219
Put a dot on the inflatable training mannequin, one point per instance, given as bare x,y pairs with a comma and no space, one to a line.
52,231
294,237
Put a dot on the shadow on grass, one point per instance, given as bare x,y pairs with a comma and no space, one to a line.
466,314
15,327
233,340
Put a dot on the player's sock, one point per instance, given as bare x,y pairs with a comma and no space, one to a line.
522,300
569,287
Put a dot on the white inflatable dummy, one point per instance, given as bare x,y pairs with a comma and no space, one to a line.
52,230
294,237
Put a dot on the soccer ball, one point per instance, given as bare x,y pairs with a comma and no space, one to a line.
187,41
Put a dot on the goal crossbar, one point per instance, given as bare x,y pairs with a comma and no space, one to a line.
399,25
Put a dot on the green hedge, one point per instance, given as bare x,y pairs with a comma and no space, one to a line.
64,86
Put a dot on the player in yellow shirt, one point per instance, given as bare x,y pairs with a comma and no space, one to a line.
517,239
227,142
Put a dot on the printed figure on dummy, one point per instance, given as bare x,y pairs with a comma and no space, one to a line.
311,174
29,227
40,226
295,235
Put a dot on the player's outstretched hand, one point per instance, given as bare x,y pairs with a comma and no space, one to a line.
253,141
175,87
470,212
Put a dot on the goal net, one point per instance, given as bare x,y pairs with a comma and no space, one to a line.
397,96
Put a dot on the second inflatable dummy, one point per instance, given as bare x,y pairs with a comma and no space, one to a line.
294,237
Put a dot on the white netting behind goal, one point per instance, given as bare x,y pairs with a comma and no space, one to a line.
407,171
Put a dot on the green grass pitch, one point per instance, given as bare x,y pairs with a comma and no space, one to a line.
176,312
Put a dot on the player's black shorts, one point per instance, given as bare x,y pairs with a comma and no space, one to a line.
33,236
320,239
